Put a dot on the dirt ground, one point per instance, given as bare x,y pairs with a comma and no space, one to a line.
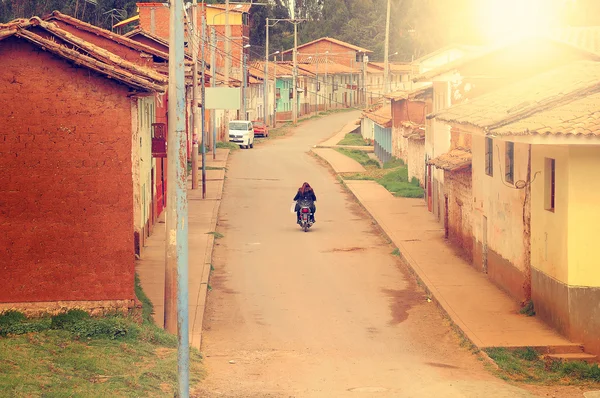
328,313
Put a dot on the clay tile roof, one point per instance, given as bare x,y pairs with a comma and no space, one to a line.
123,40
520,100
332,40
579,117
395,67
329,67
455,160
410,94
382,116
95,58
474,57
139,31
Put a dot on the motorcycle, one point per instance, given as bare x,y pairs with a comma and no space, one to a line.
306,217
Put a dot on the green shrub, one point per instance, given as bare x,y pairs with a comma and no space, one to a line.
11,317
111,328
61,320
24,327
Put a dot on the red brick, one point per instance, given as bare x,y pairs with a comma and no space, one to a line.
66,146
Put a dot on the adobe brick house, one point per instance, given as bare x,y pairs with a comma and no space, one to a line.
151,199
66,193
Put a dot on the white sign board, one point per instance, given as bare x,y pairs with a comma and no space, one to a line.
223,98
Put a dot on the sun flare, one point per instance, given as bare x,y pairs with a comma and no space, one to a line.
504,20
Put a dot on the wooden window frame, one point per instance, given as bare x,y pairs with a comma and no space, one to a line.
510,162
489,156
550,184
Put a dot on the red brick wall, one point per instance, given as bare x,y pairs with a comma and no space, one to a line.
161,28
161,19
66,208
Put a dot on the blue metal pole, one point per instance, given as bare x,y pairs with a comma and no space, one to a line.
177,212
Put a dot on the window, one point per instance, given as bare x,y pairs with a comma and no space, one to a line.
489,156
550,183
510,162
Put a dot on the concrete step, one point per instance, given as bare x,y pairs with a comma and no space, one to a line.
573,348
574,357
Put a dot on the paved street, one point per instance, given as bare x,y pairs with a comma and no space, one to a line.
328,313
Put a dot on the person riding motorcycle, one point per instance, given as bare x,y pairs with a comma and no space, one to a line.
305,194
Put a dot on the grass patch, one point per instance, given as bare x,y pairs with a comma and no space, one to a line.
394,163
217,235
396,252
396,181
74,354
361,157
393,176
526,365
228,145
353,139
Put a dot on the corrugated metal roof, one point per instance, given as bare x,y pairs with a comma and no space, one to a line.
245,7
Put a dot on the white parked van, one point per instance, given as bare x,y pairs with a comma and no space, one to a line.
241,132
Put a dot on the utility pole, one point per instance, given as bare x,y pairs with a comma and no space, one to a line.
266,93
176,250
326,80
317,86
295,74
213,83
244,77
227,54
195,117
203,109
386,66
365,63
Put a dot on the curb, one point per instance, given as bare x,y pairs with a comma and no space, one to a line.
206,272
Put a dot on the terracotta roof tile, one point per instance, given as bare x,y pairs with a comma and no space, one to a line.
382,116
95,58
456,159
519,100
411,94
336,41
579,117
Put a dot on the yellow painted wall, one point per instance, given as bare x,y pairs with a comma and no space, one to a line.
235,18
549,230
584,216
499,201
